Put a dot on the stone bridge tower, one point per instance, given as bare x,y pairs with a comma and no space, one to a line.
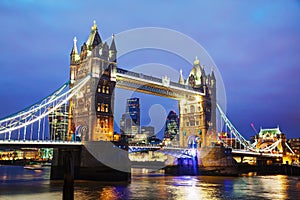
198,113
91,110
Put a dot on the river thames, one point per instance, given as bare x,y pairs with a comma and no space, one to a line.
19,183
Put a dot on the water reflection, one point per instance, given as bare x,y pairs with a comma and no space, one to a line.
17,183
268,187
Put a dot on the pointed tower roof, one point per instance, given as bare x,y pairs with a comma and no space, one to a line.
74,49
94,38
113,45
212,73
196,71
181,79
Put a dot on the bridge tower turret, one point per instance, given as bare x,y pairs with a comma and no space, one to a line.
197,113
113,50
74,64
92,109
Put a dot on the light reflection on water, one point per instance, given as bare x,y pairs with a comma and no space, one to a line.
17,183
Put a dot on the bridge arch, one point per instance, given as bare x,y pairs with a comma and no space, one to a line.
193,141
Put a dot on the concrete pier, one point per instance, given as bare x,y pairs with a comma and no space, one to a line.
93,165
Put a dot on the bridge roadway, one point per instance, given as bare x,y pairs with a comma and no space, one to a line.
132,148
152,85
242,152
235,152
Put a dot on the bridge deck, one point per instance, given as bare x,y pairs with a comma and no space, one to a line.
153,85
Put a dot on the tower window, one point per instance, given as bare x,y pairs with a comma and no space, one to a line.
107,89
192,108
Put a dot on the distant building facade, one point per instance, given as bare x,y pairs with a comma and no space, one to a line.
148,130
58,124
172,128
130,121
294,143
267,137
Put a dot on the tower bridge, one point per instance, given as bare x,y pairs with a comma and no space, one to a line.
83,108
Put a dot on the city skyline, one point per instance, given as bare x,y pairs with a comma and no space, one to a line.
255,48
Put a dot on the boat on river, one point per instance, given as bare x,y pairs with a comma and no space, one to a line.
34,167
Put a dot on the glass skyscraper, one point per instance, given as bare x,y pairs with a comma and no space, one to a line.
130,121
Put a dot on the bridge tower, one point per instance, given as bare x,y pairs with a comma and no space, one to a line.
91,110
91,115
198,113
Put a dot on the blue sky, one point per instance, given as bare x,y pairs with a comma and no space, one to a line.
254,44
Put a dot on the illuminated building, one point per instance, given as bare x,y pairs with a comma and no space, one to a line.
198,113
294,143
58,124
148,130
130,121
172,128
267,137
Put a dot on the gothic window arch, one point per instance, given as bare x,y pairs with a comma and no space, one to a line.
192,109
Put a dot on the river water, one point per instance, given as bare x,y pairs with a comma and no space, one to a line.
18,183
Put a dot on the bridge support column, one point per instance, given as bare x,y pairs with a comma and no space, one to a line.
100,161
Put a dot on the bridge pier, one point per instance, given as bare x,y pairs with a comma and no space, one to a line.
92,162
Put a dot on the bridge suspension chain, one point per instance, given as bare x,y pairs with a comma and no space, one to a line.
247,145
40,110
233,130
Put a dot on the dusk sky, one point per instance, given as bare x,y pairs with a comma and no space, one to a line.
254,44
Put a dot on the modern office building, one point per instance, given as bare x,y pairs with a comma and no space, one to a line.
58,124
171,133
130,121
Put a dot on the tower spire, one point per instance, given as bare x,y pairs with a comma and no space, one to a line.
113,45
94,38
181,79
213,73
113,50
94,27
196,61
75,46
74,57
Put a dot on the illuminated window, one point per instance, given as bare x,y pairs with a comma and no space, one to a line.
98,107
103,89
106,108
102,107
106,120
107,90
